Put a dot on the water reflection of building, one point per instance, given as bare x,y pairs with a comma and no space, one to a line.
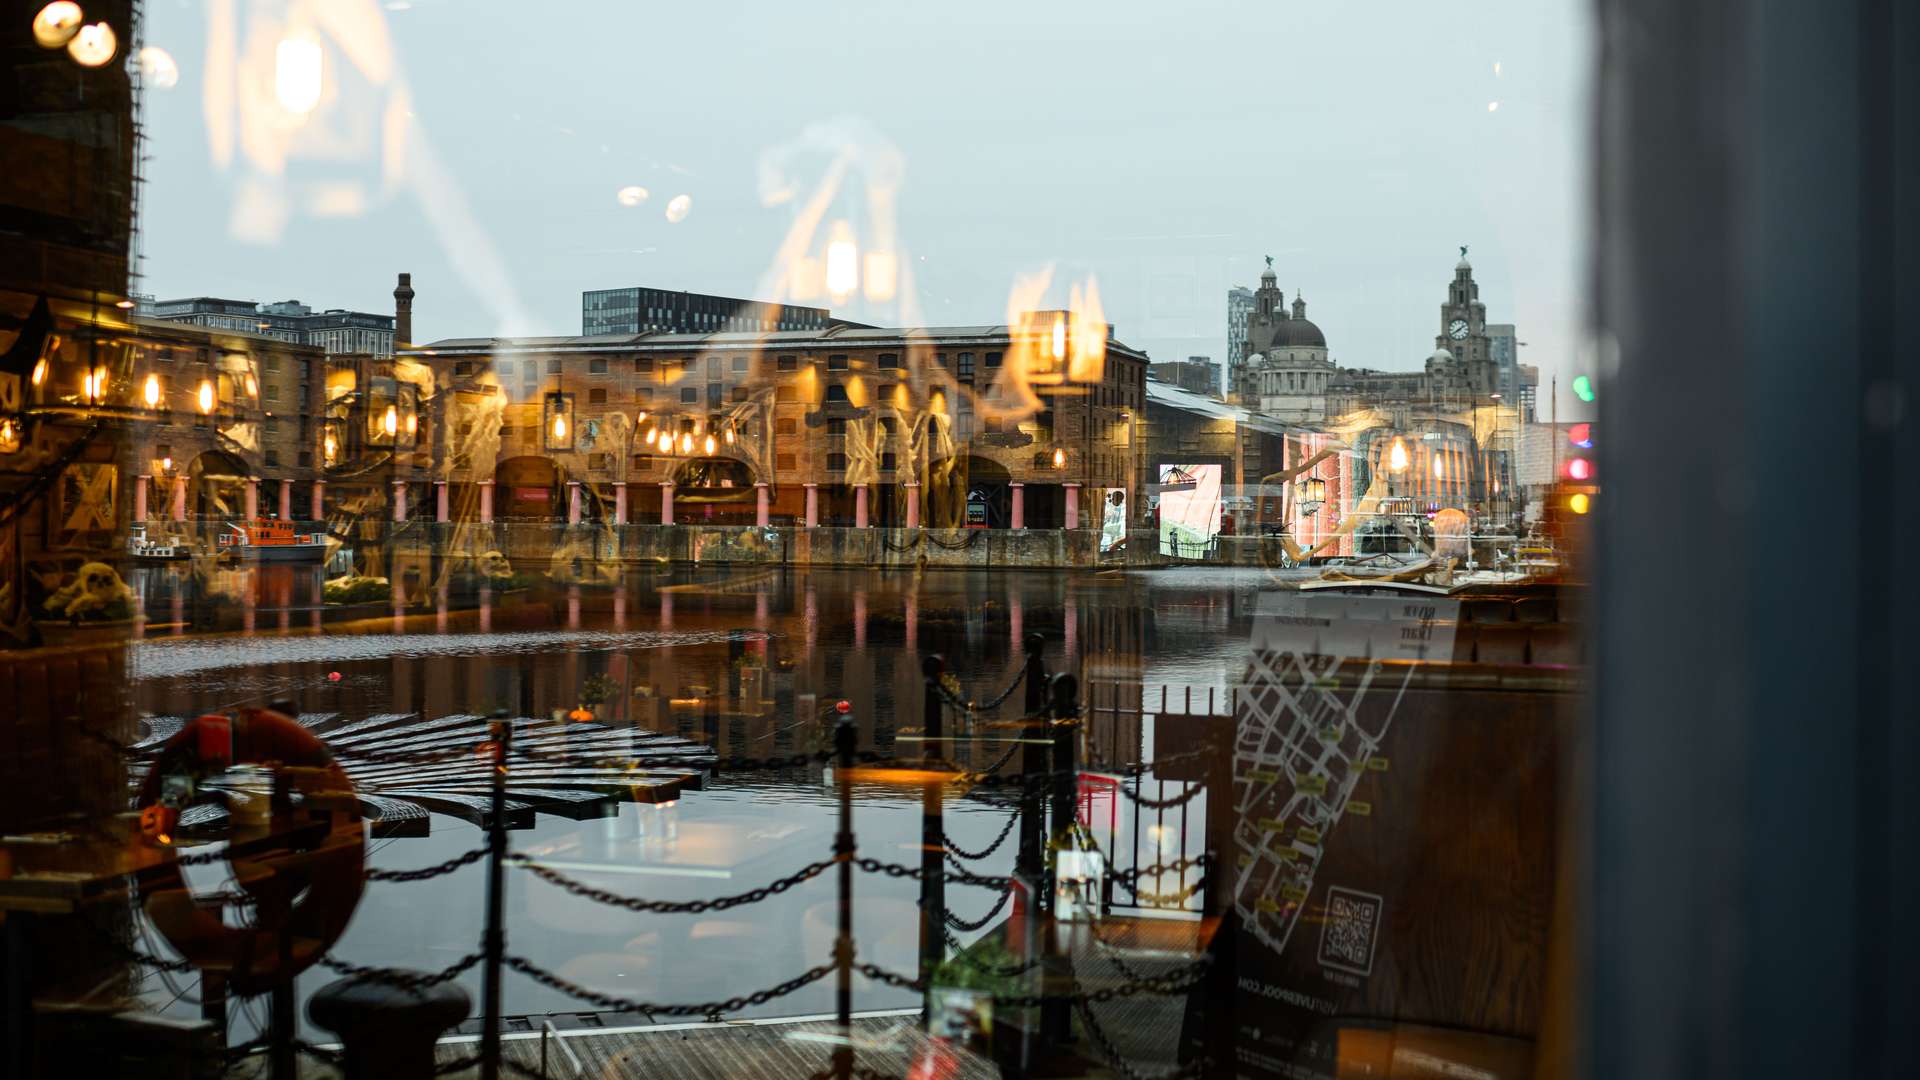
948,426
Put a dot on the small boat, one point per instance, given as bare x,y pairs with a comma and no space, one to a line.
141,548
271,540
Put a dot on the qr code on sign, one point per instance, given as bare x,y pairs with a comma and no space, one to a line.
1348,936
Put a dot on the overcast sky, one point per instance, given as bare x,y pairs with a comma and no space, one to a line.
1161,149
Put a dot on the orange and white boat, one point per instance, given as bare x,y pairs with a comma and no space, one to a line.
271,540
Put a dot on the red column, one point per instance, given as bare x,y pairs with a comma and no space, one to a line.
1073,506
399,500
860,507
486,502
913,512
666,503
140,498
762,516
179,498
319,500
286,500
813,505
253,497
1019,520
620,502
440,512
573,502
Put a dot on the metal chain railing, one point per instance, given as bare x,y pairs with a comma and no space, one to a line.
955,849
1162,985
1118,1061
426,872
1133,796
1004,971
965,926
896,870
701,1009
663,907
401,978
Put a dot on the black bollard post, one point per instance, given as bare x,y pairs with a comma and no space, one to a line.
1056,1016
844,737
933,841
388,1031
495,943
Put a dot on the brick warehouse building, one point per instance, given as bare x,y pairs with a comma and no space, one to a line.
935,426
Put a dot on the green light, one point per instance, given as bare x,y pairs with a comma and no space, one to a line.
1583,388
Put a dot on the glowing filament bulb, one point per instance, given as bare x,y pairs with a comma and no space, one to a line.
1439,468
56,24
1397,457
1059,337
94,45
390,423
297,74
206,396
95,384
39,372
413,423
642,418
843,263
331,448
729,436
166,463
709,444
686,442
153,391
1059,458
559,427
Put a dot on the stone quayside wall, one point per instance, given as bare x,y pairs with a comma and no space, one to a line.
531,544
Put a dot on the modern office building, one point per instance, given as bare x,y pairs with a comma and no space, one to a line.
639,310
335,330
1239,306
1197,374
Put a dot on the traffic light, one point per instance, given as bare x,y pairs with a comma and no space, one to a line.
1583,388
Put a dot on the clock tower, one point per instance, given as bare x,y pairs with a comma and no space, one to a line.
1463,330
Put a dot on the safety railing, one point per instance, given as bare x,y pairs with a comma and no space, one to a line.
1039,774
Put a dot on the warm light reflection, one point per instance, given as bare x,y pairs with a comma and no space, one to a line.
330,448
1059,458
710,445
94,45
206,396
559,427
686,442
631,195
56,24
93,384
678,208
843,263
39,372
158,70
1059,337
166,463
1397,456
297,74
390,423
413,424
1087,347
882,276
152,391
729,436
253,388
1439,467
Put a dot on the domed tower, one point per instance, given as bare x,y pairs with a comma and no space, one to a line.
1294,372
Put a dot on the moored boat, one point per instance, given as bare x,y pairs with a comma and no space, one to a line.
271,540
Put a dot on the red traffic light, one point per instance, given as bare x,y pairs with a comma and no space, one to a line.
843,707
1581,435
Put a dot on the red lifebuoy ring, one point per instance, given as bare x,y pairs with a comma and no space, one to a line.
299,860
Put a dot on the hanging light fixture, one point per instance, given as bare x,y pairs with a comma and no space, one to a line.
686,442
152,392
206,396
390,423
94,45
56,24
1059,458
1397,456
558,425
729,435
330,448
710,445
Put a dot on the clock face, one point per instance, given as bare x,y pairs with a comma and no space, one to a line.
1457,329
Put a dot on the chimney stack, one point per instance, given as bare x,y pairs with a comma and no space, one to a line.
403,312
